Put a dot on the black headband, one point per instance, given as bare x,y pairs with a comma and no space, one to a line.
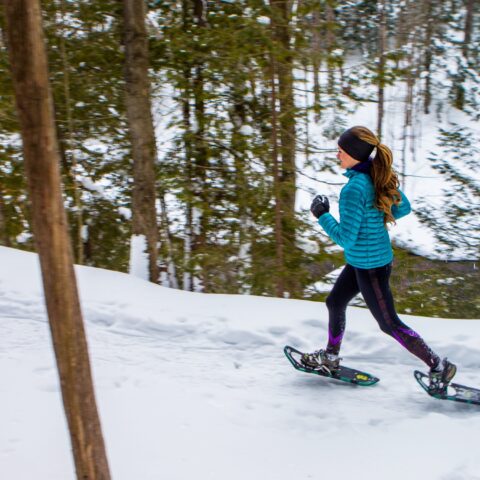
354,146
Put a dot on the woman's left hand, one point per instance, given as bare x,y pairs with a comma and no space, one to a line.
320,205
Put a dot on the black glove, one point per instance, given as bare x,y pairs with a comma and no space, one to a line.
320,205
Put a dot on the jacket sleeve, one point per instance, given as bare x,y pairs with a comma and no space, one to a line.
352,206
403,208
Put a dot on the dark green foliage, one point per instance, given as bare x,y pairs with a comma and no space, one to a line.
85,62
455,216
106,236
430,288
435,288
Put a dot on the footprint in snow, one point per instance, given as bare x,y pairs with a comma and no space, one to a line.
278,331
242,339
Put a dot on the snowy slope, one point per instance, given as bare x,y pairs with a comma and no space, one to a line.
196,386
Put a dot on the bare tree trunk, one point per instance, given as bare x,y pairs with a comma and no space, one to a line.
460,78
187,252
307,119
201,155
200,215
187,137
429,20
171,269
280,22
468,27
408,118
141,128
316,56
279,246
40,146
189,228
382,40
77,194
238,116
330,43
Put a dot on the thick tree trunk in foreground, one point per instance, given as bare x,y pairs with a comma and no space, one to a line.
35,108
142,133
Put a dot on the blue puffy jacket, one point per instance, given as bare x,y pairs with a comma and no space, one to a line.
361,231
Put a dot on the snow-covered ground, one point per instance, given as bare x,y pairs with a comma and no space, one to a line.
196,386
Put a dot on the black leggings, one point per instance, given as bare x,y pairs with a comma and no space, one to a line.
375,289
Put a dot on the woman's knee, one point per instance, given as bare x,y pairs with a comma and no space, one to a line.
333,302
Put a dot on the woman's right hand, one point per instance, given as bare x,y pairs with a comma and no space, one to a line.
320,205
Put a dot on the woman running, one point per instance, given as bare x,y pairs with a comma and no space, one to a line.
368,203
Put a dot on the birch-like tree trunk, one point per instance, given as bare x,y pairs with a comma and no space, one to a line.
28,59
140,123
278,226
167,238
187,140
238,116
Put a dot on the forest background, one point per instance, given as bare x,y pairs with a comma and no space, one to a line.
205,165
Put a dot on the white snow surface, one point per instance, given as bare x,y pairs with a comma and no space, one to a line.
193,385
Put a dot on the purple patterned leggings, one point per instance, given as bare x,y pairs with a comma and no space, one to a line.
374,286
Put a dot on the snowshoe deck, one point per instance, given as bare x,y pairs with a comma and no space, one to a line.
345,374
454,391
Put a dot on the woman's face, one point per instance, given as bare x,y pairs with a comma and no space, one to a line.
346,161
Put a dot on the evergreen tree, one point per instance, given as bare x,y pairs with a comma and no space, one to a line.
140,122
454,217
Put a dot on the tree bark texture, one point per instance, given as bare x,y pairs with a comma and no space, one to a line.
238,116
70,140
40,146
141,128
201,152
